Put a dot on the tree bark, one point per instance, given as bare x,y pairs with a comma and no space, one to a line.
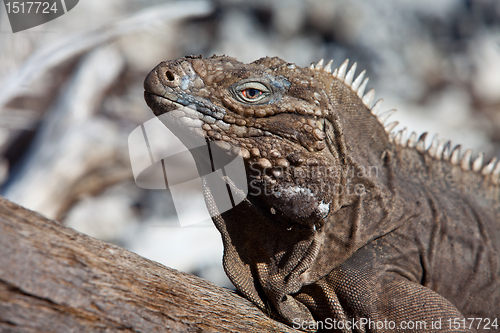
55,279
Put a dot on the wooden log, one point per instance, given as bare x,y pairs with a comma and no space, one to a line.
55,279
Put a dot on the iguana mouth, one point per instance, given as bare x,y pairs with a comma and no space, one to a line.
169,104
175,100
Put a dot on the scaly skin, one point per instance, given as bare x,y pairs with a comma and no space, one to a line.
342,221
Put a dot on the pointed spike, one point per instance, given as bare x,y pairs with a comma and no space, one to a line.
397,138
433,148
455,155
391,126
446,153
350,75
489,168
440,149
466,159
495,175
392,136
361,89
328,67
385,115
368,98
421,143
319,65
342,70
412,140
478,163
376,108
357,82
335,72
311,66
404,139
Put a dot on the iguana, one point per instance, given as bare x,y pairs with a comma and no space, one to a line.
346,227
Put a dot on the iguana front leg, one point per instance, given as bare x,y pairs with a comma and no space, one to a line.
367,295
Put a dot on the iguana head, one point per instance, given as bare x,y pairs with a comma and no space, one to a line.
305,134
273,113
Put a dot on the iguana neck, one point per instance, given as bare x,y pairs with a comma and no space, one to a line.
370,197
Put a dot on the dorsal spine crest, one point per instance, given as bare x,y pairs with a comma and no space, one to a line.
439,149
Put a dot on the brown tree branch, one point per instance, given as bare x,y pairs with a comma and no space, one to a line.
55,279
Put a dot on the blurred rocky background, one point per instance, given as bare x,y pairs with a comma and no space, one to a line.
71,93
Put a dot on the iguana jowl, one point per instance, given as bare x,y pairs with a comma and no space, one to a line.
343,220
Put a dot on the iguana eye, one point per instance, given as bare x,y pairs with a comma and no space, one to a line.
253,92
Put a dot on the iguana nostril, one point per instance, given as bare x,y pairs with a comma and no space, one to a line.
170,76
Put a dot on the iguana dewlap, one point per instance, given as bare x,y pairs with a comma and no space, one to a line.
343,222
